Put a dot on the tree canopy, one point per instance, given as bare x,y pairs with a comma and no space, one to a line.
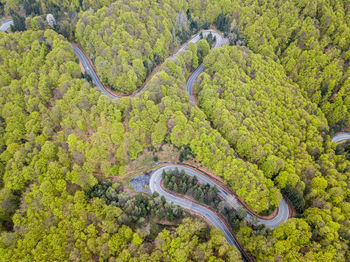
266,113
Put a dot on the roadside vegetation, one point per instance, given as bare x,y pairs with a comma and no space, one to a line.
137,208
266,114
266,119
181,183
58,137
310,39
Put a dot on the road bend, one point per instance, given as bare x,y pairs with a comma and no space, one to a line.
90,69
5,25
228,197
214,219
341,137
155,180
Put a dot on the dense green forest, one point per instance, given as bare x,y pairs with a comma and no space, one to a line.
311,39
263,123
56,136
266,119
136,35
164,112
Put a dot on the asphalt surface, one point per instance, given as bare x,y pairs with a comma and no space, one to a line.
283,209
340,137
219,42
140,182
192,78
156,177
84,60
97,82
155,186
230,199
5,25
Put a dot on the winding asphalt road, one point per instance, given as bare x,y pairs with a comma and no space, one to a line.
155,180
219,42
228,197
88,68
283,209
5,25
155,186
156,177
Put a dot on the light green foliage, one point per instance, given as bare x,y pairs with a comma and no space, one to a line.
294,234
136,240
185,244
136,37
193,48
203,49
263,116
58,136
119,240
311,39
268,121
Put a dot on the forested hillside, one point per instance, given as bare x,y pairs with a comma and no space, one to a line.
262,118
128,39
164,113
312,40
266,119
56,134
